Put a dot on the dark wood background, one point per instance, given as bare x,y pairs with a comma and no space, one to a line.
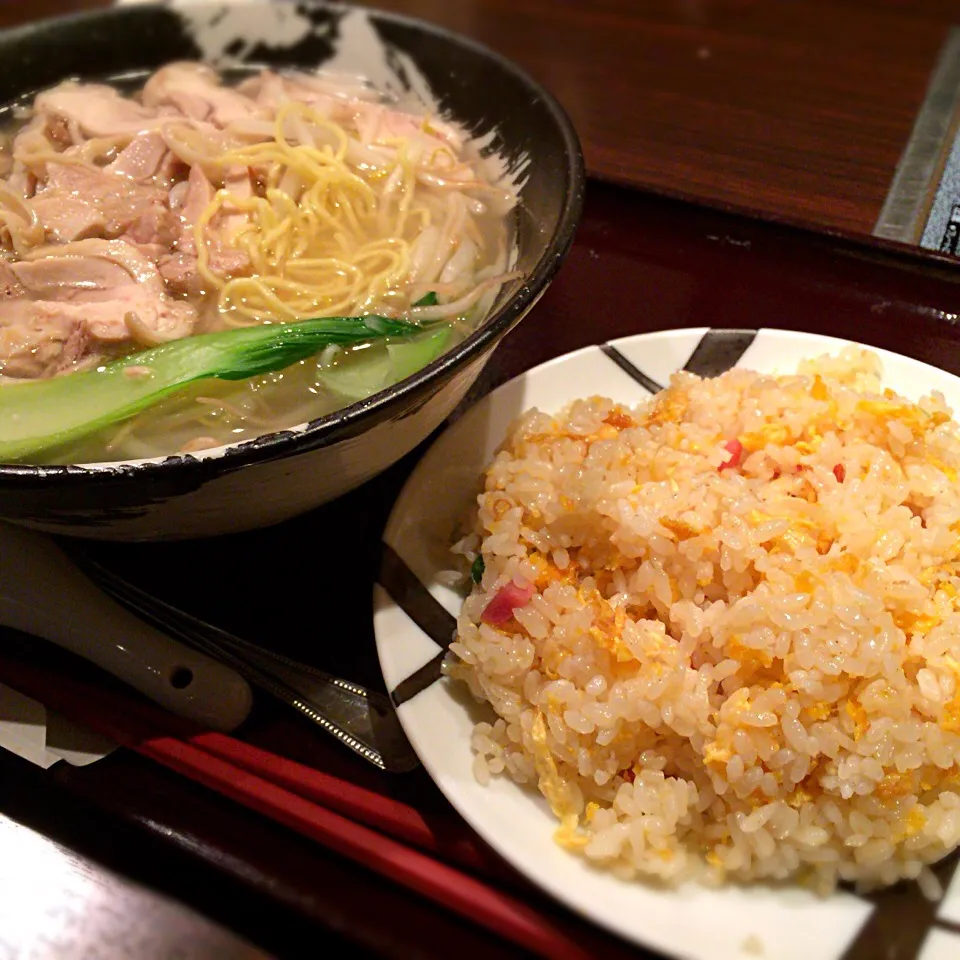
792,109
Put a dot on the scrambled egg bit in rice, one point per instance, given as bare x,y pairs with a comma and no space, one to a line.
721,631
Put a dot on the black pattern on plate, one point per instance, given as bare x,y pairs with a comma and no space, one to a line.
719,351
416,601
648,383
902,918
419,680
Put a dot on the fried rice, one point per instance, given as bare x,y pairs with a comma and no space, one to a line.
721,631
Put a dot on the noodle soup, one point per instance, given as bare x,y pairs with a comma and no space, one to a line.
193,206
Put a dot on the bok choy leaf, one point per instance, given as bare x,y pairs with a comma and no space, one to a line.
39,414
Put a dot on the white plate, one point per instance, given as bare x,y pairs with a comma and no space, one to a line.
438,715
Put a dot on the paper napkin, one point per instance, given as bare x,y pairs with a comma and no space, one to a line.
43,737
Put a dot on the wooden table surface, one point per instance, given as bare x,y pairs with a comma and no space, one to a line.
796,110
790,111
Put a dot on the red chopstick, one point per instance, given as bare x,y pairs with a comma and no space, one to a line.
222,763
400,820
457,891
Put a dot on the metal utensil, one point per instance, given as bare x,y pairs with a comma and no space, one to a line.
42,593
360,718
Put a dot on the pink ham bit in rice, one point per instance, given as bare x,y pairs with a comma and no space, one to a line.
505,601
735,449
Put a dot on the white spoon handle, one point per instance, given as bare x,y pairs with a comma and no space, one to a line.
43,593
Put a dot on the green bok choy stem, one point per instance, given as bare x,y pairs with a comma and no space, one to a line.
40,414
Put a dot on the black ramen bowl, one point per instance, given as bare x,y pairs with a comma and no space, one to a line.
282,474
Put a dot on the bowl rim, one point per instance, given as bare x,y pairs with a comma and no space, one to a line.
344,422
